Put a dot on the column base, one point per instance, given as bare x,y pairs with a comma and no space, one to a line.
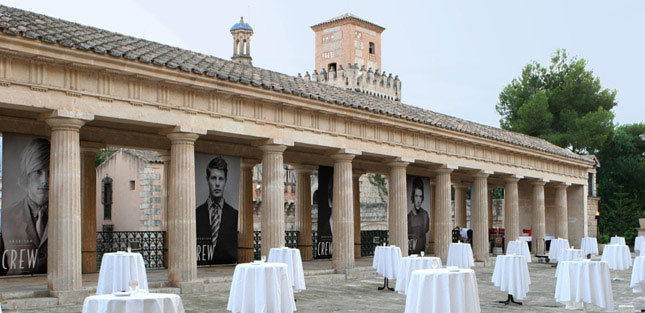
70,297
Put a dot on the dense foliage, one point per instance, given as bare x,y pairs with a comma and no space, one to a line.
563,103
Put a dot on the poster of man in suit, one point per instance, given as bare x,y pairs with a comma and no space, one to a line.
418,213
325,199
216,186
23,217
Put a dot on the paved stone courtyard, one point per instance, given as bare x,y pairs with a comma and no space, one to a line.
327,294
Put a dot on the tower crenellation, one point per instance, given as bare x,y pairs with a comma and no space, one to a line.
368,81
350,40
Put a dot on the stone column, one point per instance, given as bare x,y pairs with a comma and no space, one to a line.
356,175
397,206
511,210
460,204
490,206
165,156
303,210
479,218
343,213
88,225
538,227
443,234
64,221
561,214
182,234
245,229
272,197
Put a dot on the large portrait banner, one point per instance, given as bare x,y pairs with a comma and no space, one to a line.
325,192
217,181
418,213
25,203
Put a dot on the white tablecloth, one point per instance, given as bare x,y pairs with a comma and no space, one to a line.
617,256
460,255
439,290
261,287
292,258
589,245
556,246
642,252
638,243
118,269
638,275
524,238
511,274
137,303
519,248
410,264
584,281
617,240
387,261
569,255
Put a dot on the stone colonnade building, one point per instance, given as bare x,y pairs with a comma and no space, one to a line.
87,88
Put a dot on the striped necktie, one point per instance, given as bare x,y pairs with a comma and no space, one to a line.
215,222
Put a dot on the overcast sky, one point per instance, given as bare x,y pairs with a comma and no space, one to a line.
453,57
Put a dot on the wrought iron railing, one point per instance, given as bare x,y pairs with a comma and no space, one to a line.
290,238
372,238
369,240
151,245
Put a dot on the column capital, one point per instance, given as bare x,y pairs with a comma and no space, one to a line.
91,147
182,129
538,182
397,164
444,170
64,123
561,185
343,157
182,137
482,174
461,184
304,168
246,163
165,156
270,147
512,179
64,114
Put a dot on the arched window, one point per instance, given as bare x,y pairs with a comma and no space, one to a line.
106,197
237,46
244,47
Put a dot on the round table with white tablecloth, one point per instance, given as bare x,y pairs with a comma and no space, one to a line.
511,274
617,256
387,261
261,287
638,275
520,248
292,258
638,243
442,290
410,264
584,282
589,245
460,255
135,303
569,255
617,240
118,269
555,247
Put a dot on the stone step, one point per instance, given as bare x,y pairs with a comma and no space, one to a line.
9,295
29,303
171,290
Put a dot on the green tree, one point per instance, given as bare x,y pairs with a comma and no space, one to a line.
104,154
564,104
621,178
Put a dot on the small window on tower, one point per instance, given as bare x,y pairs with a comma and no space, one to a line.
372,48
331,67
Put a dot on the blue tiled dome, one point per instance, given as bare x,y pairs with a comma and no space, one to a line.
241,25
